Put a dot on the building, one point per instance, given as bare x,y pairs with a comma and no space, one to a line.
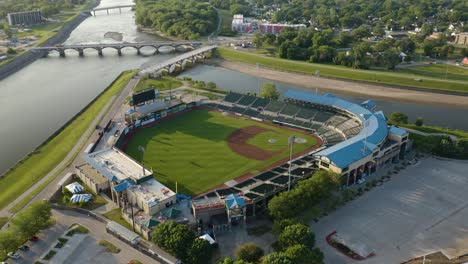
397,36
241,25
276,28
244,25
129,183
461,39
376,145
24,18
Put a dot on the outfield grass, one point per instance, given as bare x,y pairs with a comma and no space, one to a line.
342,72
166,83
191,150
438,71
36,166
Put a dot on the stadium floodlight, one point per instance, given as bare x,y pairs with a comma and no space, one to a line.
142,150
291,140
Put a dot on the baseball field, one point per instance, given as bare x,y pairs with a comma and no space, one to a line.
202,149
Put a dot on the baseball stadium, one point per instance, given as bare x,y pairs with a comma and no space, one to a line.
238,151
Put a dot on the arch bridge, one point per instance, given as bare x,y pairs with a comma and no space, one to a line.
117,46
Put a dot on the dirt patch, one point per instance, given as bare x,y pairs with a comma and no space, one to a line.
237,141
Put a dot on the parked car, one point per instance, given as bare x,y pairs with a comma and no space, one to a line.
361,181
34,238
23,248
14,255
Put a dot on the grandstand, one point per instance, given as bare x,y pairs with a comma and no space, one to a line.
246,100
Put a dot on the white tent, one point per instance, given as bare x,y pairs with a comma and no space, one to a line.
75,187
208,238
76,198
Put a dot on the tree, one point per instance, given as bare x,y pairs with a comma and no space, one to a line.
31,220
11,51
249,252
300,254
175,238
269,91
398,118
427,29
277,258
258,40
200,252
390,60
8,242
211,85
378,30
280,225
419,121
297,234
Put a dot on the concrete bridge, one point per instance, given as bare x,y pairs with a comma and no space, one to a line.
93,11
171,64
117,46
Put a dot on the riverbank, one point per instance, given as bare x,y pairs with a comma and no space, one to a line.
345,87
30,56
336,72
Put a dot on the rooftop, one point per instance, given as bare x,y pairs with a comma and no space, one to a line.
116,165
363,144
152,192
92,173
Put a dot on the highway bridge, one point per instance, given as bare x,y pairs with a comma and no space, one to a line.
170,64
117,46
93,11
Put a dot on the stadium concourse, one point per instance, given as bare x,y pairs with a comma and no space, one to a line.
357,142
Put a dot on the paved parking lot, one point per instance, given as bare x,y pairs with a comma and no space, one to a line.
421,210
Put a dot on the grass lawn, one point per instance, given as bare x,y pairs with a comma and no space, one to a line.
36,166
394,78
192,150
3,221
109,246
434,129
166,83
116,216
438,71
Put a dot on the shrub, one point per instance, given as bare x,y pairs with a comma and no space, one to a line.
249,252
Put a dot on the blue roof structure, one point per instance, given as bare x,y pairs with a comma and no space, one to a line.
124,185
398,131
234,200
356,148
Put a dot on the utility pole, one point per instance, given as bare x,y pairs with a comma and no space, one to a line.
291,143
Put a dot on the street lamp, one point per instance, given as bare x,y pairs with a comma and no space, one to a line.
142,150
291,140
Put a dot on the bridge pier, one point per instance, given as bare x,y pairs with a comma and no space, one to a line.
138,51
80,52
62,53
120,10
119,51
107,11
99,51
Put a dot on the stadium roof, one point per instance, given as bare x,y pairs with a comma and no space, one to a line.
234,200
363,144
398,131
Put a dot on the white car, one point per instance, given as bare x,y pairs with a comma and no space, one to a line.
361,181
14,255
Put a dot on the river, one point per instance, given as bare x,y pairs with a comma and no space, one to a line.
40,98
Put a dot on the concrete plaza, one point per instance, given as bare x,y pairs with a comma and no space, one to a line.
421,210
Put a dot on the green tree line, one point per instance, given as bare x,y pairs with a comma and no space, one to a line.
178,18
48,8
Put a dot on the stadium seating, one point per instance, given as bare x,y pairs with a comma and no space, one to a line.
265,117
251,113
336,120
232,97
223,107
306,113
246,100
323,116
347,125
260,102
237,109
290,110
275,106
